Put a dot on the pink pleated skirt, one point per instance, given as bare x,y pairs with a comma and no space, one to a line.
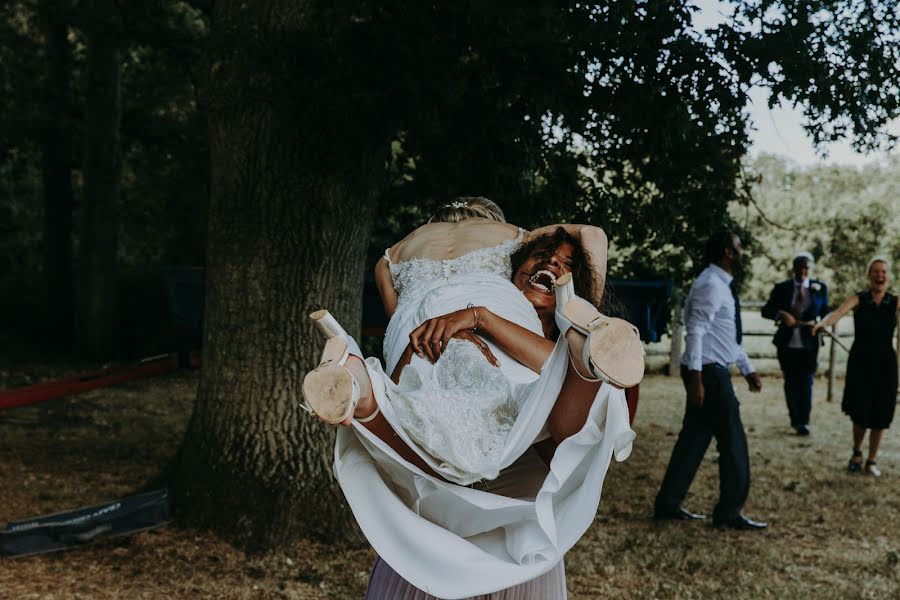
386,584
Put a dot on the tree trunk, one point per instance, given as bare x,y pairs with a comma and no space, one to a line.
289,214
97,310
58,295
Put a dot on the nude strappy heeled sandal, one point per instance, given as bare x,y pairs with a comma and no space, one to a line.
612,352
331,392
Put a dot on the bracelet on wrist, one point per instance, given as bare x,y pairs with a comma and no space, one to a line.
475,313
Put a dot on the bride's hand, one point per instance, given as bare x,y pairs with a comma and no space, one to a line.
464,334
429,339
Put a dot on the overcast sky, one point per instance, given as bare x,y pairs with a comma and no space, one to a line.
779,131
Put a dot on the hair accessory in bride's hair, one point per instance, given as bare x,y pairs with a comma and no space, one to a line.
458,204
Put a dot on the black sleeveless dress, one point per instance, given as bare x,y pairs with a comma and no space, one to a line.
870,392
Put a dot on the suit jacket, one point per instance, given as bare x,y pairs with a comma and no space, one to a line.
780,299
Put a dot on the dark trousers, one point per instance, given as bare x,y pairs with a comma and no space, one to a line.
719,417
799,367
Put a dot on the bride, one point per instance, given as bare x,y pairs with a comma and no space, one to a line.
451,403
443,537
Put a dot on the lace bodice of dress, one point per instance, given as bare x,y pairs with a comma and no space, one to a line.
417,274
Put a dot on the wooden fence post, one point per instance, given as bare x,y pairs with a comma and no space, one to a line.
677,335
832,351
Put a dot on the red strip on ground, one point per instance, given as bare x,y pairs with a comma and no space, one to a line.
67,386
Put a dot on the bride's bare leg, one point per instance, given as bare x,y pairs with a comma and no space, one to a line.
367,405
379,425
570,412
573,404
404,360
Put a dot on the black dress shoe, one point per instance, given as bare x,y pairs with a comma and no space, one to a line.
740,522
803,430
855,464
678,514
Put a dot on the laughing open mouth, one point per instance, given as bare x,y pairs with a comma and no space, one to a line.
543,280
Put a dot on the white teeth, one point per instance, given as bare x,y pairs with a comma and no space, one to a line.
542,274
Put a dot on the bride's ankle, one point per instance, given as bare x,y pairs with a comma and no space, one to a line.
366,405
366,408
576,341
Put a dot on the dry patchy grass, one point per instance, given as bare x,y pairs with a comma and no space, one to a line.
832,534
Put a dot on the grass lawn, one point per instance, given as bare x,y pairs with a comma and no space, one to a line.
831,535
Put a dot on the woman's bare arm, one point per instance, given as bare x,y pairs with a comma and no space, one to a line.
595,245
525,346
834,316
385,285
430,338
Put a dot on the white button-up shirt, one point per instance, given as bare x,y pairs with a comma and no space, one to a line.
709,323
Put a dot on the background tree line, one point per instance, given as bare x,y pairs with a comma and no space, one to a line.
546,153
285,143
843,216
103,167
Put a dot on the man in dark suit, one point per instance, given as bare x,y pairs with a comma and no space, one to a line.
794,305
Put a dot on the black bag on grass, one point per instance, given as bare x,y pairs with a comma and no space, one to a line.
77,527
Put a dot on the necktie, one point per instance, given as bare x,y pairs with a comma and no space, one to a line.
799,297
738,331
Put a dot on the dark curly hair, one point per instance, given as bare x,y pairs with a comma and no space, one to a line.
544,246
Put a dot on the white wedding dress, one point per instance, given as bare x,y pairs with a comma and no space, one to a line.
468,421
461,409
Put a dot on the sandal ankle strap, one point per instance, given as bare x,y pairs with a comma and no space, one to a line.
370,417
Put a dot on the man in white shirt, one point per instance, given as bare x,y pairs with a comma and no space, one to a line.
712,343
795,305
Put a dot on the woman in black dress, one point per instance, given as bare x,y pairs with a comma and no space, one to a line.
870,392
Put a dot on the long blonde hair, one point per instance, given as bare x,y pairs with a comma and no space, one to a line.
466,207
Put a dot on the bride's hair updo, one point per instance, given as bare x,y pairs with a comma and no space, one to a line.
466,207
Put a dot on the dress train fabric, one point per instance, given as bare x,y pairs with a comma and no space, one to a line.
456,541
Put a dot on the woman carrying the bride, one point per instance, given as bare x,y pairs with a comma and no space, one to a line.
419,465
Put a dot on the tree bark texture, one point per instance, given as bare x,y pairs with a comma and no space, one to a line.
56,142
288,231
97,307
